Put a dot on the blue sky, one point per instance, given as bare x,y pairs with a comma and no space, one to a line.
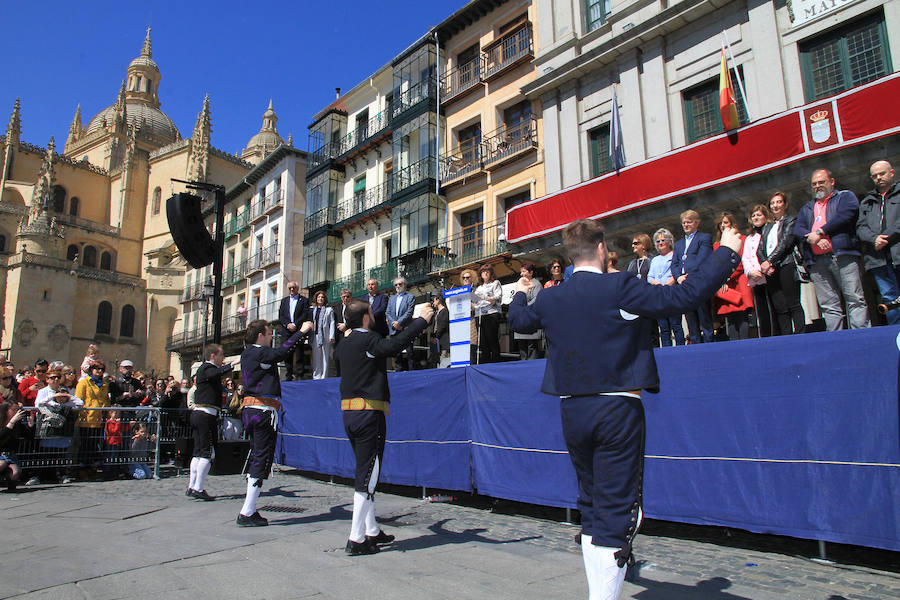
241,53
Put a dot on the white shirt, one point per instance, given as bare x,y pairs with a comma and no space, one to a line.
292,306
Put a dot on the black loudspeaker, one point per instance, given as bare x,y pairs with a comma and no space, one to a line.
189,231
230,457
184,450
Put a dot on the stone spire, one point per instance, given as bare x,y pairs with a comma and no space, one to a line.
75,129
290,140
147,49
121,111
200,144
269,119
14,129
40,195
266,140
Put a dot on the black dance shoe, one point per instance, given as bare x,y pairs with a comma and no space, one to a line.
381,538
360,548
254,520
189,493
202,495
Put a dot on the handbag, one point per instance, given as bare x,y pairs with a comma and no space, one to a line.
730,295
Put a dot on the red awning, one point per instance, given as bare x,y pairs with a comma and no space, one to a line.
853,117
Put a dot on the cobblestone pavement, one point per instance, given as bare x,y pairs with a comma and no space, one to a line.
143,539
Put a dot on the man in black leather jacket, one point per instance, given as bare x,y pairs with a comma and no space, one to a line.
878,229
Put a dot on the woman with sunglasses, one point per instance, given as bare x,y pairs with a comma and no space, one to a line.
9,390
556,271
487,310
470,278
56,405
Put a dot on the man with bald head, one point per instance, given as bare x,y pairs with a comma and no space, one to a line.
878,229
826,228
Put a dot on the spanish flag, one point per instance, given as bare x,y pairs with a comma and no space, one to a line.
727,102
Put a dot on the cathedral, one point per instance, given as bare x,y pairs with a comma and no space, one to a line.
85,250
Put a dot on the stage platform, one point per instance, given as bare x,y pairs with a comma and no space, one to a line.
794,436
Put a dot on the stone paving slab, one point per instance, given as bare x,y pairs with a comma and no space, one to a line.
144,539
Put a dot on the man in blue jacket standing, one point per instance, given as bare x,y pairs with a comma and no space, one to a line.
398,315
601,361
827,227
690,252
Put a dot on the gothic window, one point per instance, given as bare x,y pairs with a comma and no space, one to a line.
104,317
126,327
73,206
58,199
89,258
157,201
72,252
106,261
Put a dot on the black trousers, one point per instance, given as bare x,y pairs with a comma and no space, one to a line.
366,430
784,296
205,430
489,341
765,318
260,426
605,438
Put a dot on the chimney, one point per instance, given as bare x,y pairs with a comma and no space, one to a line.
337,93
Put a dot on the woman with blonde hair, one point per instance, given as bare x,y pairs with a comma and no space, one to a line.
487,310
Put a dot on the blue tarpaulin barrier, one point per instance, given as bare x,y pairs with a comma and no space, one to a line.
794,436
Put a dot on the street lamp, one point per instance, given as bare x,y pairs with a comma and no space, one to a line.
209,291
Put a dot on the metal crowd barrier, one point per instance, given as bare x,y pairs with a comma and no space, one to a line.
124,439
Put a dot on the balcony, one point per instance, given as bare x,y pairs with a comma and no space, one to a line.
363,204
235,274
266,205
460,79
237,224
365,136
509,142
413,174
264,258
513,48
412,96
356,282
466,161
231,324
194,292
318,219
323,154
473,245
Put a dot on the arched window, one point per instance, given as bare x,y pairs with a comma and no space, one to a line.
73,206
157,200
126,326
58,199
104,317
89,258
72,252
106,261
2,243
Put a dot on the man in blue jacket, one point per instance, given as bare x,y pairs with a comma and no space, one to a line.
378,302
601,360
826,226
398,315
690,252
878,229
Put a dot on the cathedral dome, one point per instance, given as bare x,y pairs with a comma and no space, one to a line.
153,122
266,140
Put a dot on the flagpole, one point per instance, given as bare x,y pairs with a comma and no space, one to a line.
737,75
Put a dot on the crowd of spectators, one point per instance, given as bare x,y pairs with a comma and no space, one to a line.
45,409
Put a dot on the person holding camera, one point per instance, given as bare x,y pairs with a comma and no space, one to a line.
11,429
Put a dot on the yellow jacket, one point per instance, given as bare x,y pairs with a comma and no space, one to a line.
93,397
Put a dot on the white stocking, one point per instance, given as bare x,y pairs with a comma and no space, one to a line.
372,527
193,484
203,465
358,523
253,492
604,575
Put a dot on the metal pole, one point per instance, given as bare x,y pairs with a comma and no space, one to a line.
217,265
158,434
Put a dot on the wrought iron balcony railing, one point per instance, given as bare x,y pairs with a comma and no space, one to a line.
264,258
266,205
323,154
320,218
472,245
362,134
356,282
461,78
413,174
231,324
465,161
408,98
509,141
363,202
508,50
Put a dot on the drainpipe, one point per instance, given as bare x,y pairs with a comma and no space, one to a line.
437,157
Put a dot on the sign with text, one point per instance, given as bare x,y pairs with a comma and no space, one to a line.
459,307
802,11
